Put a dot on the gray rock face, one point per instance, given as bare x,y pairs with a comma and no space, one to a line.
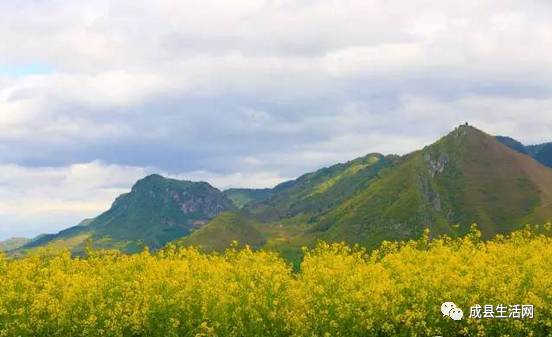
436,165
433,200
209,205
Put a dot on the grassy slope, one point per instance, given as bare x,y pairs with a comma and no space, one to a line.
499,191
388,207
315,193
220,232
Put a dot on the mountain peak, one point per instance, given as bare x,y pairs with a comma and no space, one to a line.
157,210
158,182
153,177
148,181
467,130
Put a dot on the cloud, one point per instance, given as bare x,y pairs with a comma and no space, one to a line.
247,180
252,92
47,199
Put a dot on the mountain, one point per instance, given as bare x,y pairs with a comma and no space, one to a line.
466,177
157,210
242,196
282,218
540,152
13,243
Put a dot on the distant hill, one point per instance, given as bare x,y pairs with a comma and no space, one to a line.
157,210
12,243
540,152
242,196
513,144
219,233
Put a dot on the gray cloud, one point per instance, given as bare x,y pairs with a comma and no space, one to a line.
249,93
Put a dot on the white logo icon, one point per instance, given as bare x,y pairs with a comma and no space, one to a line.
451,310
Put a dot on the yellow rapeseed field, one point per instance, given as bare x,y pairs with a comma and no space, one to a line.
339,291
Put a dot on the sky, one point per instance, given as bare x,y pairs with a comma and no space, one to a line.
97,94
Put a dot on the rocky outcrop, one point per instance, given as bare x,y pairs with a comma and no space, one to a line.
436,165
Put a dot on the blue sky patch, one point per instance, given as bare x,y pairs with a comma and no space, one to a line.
35,68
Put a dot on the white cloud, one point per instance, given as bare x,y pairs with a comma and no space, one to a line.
48,199
33,199
388,59
238,179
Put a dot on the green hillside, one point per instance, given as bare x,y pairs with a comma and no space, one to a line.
157,210
222,231
315,193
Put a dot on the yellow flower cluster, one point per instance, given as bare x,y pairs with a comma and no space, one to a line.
339,291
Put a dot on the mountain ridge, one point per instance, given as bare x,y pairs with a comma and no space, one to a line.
465,177
13,243
540,152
